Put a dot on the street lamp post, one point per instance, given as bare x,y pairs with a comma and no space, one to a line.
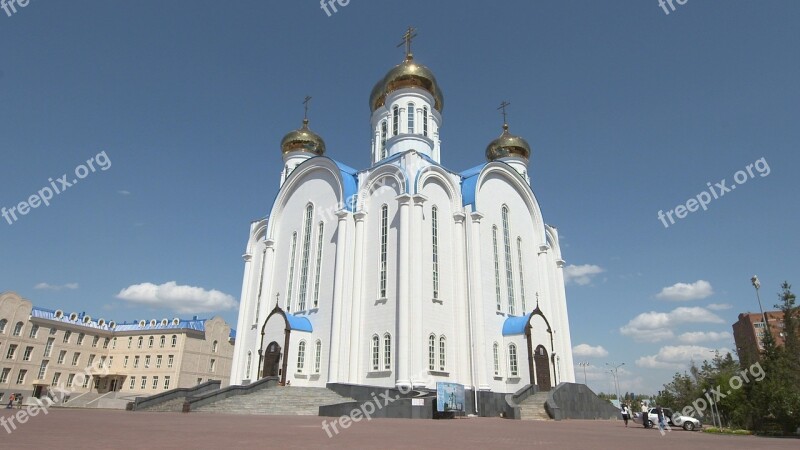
757,285
584,365
614,370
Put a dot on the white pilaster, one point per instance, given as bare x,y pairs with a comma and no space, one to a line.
477,303
460,302
417,295
357,309
404,326
336,356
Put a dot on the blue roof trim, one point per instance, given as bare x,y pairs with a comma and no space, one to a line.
469,185
299,323
350,184
516,325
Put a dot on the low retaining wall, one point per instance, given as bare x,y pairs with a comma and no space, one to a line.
577,401
230,391
173,399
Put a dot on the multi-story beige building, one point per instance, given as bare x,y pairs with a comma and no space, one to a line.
41,349
749,332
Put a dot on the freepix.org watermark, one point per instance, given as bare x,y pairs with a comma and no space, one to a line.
330,5
663,4
714,192
56,187
10,6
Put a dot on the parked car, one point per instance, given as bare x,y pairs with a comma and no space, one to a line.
673,419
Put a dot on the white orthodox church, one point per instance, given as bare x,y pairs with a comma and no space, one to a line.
405,273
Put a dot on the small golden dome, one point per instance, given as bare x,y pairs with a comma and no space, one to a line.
508,145
303,140
407,74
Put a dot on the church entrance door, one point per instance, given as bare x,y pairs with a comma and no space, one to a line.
272,360
542,363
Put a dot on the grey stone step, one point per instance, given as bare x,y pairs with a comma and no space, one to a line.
276,401
533,407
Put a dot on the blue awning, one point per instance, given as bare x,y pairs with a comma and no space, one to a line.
299,323
516,325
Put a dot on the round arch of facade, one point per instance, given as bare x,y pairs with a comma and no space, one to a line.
373,182
434,174
518,183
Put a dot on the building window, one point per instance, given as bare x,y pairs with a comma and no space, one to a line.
67,335
27,355
91,360
81,337
70,379
133,383
212,367
395,120
512,360
199,381
301,356
105,342
125,362
166,383
3,324
376,352
306,254
158,362
174,340
291,273
410,118
18,330
318,356
147,362
110,361
42,370
509,269
387,351
435,249
48,347
102,362
75,358
214,347
4,375
424,120
431,352
130,341
442,353
150,342
498,301
162,341
384,248
383,139
320,241
56,378
170,360
249,363
155,382
21,376
135,362
94,341
140,341
61,356
114,343
496,354
12,350
86,381
144,383
521,275
34,331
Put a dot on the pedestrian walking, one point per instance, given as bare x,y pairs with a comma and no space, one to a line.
625,414
10,401
660,414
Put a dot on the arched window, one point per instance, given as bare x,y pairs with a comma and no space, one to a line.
150,342
387,351
140,342
291,273
320,241
411,118
442,353
384,248
376,352
424,120
260,283
67,335
318,356
509,269
130,341
435,249
521,275
395,120
174,340
3,324
249,363
304,263
431,352
496,269
512,360
18,328
162,342
384,131
214,347
496,354
301,356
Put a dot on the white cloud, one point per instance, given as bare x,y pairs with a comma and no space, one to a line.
588,350
678,357
56,287
699,337
581,275
658,326
124,192
181,299
719,306
682,292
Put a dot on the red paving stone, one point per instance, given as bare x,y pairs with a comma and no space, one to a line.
103,429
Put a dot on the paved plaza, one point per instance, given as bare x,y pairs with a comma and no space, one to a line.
111,429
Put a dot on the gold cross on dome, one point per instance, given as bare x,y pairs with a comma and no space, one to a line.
411,33
503,107
305,105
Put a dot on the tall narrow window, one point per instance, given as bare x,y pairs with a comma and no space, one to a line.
435,249
512,360
521,275
496,269
301,356
291,273
395,120
320,241
442,353
306,251
411,113
376,352
249,364
318,357
431,352
496,353
384,132
260,283
424,120
509,270
384,247
387,351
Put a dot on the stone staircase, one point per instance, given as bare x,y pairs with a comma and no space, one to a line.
533,407
276,401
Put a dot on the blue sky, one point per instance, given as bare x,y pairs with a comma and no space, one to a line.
629,111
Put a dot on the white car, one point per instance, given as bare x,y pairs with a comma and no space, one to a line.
673,419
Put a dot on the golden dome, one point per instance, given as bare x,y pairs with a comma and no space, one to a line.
407,74
303,140
508,145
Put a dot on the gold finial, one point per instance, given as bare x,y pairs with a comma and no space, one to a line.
503,107
411,33
305,106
